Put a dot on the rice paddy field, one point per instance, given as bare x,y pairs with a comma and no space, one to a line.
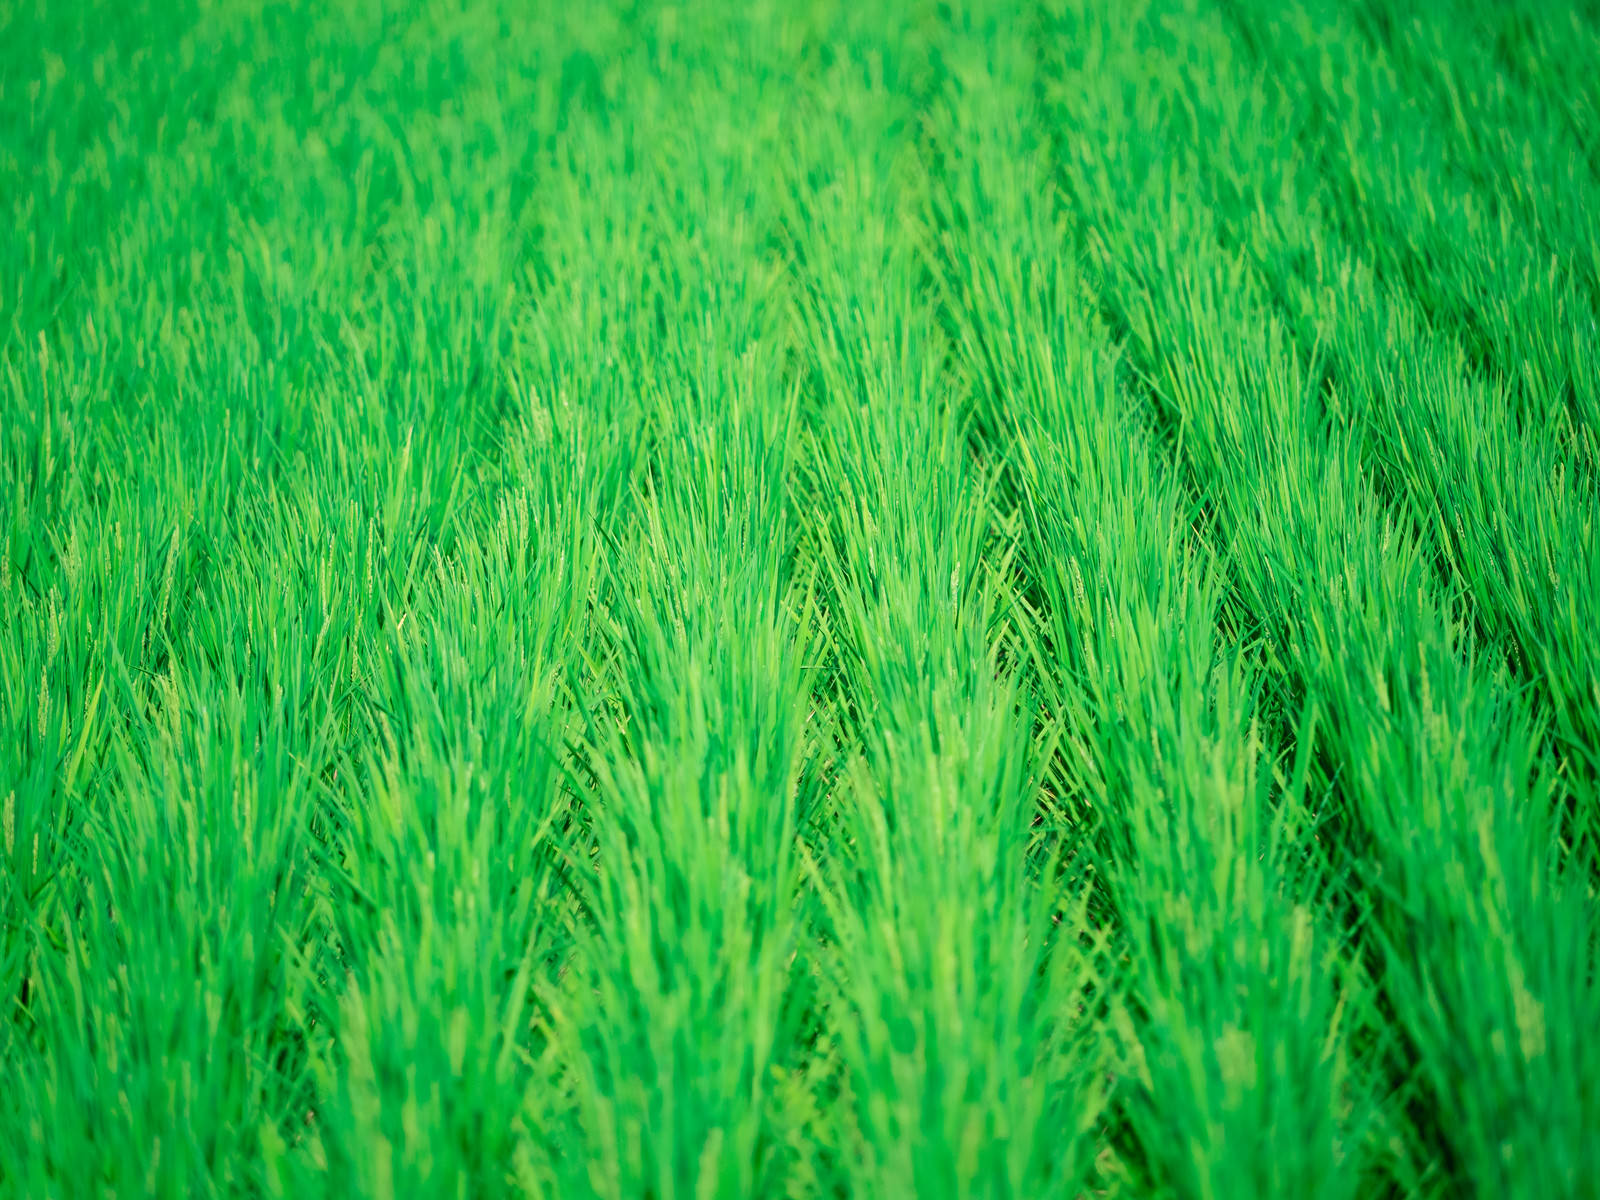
824,598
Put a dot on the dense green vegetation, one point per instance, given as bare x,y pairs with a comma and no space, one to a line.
800,599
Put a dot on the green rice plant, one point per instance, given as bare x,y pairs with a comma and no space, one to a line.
1231,1026
676,1024
1437,756
1507,498
667,600
958,974
1463,191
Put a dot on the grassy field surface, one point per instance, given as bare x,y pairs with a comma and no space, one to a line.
800,599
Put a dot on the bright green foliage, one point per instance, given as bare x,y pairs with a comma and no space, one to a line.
800,599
